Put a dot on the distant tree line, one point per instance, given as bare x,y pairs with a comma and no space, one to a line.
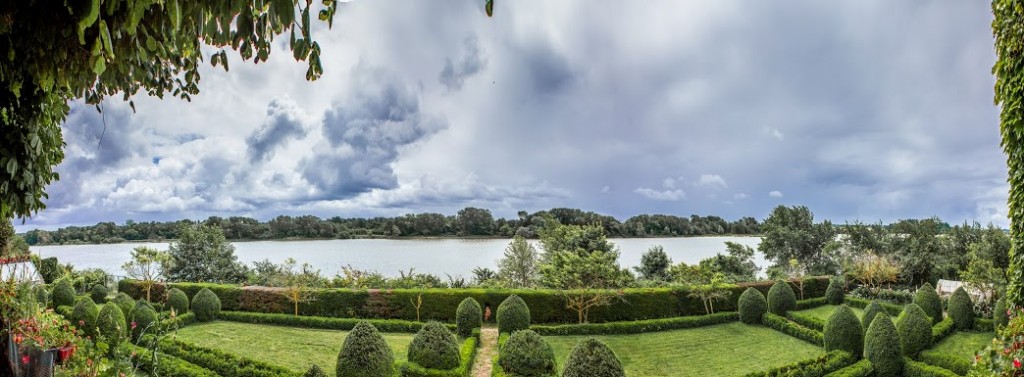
470,221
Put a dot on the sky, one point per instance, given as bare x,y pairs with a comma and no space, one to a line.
861,110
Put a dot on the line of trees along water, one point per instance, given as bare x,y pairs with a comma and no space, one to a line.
468,222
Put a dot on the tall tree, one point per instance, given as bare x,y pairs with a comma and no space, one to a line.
791,233
654,264
201,254
147,266
581,263
518,267
473,221
737,265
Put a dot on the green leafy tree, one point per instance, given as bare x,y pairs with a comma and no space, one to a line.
654,265
715,289
147,266
737,265
518,267
790,233
982,275
472,221
920,251
581,263
297,283
202,254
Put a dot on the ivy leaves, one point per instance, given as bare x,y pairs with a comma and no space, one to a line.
1009,95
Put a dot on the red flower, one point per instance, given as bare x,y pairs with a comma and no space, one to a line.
134,325
17,339
1016,363
24,359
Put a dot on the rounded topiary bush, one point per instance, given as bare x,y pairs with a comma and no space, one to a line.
434,347
882,347
513,315
781,298
206,305
84,316
592,358
98,293
177,300
915,330
752,306
468,316
526,353
314,371
365,354
999,316
844,332
834,292
961,309
63,293
125,302
143,319
111,323
870,311
929,301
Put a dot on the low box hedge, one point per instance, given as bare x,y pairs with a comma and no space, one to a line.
861,368
636,327
222,363
984,325
166,365
467,353
956,364
942,329
807,321
913,368
816,367
382,325
810,303
789,327
893,310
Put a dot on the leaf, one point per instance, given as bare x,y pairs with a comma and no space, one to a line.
105,35
174,12
489,7
99,66
138,10
89,18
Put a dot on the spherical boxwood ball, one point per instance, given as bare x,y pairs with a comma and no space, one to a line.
143,320
112,324
843,332
752,306
98,293
882,347
915,330
513,315
84,316
468,316
365,353
177,300
961,309
834,293
592,358
125,302
781,298
526,353
206,305
873,309
929,301
63,293
434,347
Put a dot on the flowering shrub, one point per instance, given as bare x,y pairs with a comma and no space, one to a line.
1005,355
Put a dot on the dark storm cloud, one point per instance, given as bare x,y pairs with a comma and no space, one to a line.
283,123
454,74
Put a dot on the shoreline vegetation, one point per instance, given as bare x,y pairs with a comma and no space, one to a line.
400,238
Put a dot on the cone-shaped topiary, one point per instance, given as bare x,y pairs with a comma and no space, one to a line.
882,347
513,315
834,292
434,347
206,305
468,316
915,330
961,309
177,300
84,316
781,298
365,353
870,311
125,302
111,323
314,371
142,321
999,316
843,332
63,293
752,306
98,293
592,358
929,301
526,353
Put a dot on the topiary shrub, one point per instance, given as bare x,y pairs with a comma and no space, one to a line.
84,316
434,347
961,310
125,302
63,293
882,347
177,300
98,293
834,292
592,358
314,371
915,330
468,316
781,298
870,311
143,318
111,324
752,306
42,295
844,332
526,353
929,301
365,353
513,315
206,305
999,316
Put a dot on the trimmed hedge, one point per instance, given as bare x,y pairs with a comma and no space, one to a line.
860,303
365,353
177,300
752,306
222,363
206,305
810,303
834,293
781,298
786,326
467,353
928,299
468,316
167,365
915,330
955,363
526,353
816,367
513,315
546,306
984,325
384,325
882,347
111,324
63,293
913,368
843,332
859,369
592,358
942,329
98,294
961,309
636,327
807,321
84,315
434,347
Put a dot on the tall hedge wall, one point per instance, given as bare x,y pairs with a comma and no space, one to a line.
546,306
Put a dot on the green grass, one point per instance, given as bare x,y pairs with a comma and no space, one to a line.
964,343
824,311
732,349
291,347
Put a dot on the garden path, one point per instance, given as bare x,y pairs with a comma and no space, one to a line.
488,345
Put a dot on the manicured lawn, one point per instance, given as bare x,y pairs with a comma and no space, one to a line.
732,349
290,347
824,311
964,343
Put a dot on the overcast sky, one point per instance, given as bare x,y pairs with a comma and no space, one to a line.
861,110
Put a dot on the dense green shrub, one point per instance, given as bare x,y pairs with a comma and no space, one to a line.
929,301
999,316
636,327
142,320
42,295
206,305
807,321
314,371
859,369
943,329
434,347
834,293
843,332
513,315
168,366
112,325
961,309
956,363
84,315
752,306
467,354
49,269
781,298
177,300
817,367
223,363
365,353
125,302
592,358
882,347
915,330
913,368
786,326
870,312
810,303
63,293
526,353
468,316
98,293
